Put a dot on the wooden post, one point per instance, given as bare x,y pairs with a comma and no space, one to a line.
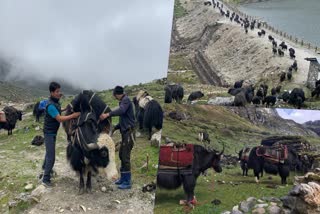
309,46
316,49
147,162
301,42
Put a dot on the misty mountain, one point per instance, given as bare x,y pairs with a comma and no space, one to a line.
313,125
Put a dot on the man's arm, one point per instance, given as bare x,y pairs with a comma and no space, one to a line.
54,113
117,112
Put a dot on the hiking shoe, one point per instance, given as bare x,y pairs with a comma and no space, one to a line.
47,184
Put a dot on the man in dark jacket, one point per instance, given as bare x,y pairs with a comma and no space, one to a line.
126,126
52,122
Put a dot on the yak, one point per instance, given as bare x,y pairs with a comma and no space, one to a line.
259,163
278,89
243,157
203,159
316,91
195,95
173,92
83,152
269,100
204,137
256,100
282,76
12,115
297,97
39,109
238,84
151,113
289,75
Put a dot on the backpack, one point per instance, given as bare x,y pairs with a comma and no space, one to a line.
43,104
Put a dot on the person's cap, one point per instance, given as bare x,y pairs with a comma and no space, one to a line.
118,90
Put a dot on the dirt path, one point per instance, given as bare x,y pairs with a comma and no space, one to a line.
64,198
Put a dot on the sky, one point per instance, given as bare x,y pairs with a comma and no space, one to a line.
299,116
94,44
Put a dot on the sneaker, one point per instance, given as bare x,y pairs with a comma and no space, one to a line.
47,184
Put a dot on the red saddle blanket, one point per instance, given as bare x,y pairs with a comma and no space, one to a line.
274,154
175,156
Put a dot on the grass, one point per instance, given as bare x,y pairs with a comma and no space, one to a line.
179,10
235,190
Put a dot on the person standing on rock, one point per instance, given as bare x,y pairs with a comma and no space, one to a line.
52,122
126,126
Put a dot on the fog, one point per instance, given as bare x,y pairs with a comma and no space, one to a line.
93,44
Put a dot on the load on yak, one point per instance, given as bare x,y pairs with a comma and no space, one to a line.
277,155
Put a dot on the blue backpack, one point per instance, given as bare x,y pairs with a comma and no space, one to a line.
43,104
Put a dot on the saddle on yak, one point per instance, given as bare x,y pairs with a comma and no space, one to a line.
273,154
42,104
3,118
176,159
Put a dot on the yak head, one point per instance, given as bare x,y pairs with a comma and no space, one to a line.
216,160
19,114
100,157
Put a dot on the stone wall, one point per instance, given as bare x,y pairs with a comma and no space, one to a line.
314,74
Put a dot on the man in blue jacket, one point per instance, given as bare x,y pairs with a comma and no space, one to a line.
126,126
52,122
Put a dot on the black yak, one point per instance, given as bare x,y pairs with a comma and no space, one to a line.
238,84
243,157
83,152
12,116
174,92
292,55
274,51
273,91
274,44
201,160
289,75
256,100
150,111
297,97
291,50
39,109
285,96
195,95
269,100
270,38
259,161
316,91
240,99
278,89
295,65
282,76
280,52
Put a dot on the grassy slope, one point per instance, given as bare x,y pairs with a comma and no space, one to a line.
235,132
20,162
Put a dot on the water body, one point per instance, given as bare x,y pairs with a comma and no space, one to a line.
299,18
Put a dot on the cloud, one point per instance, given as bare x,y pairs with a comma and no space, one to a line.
94,44
299,116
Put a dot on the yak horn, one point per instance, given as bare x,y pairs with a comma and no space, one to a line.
222,150
91,146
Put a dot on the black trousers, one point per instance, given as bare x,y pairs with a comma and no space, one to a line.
126,146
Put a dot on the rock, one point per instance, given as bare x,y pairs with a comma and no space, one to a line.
226,212
295,191
273,204
37,128
12,203
39,191
29,187
246,206
83,208
130,211
103,189
260,205
260,201
274,210
235,208
221,101
61,210
271,199
294,204
236,212
259,211
216,202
